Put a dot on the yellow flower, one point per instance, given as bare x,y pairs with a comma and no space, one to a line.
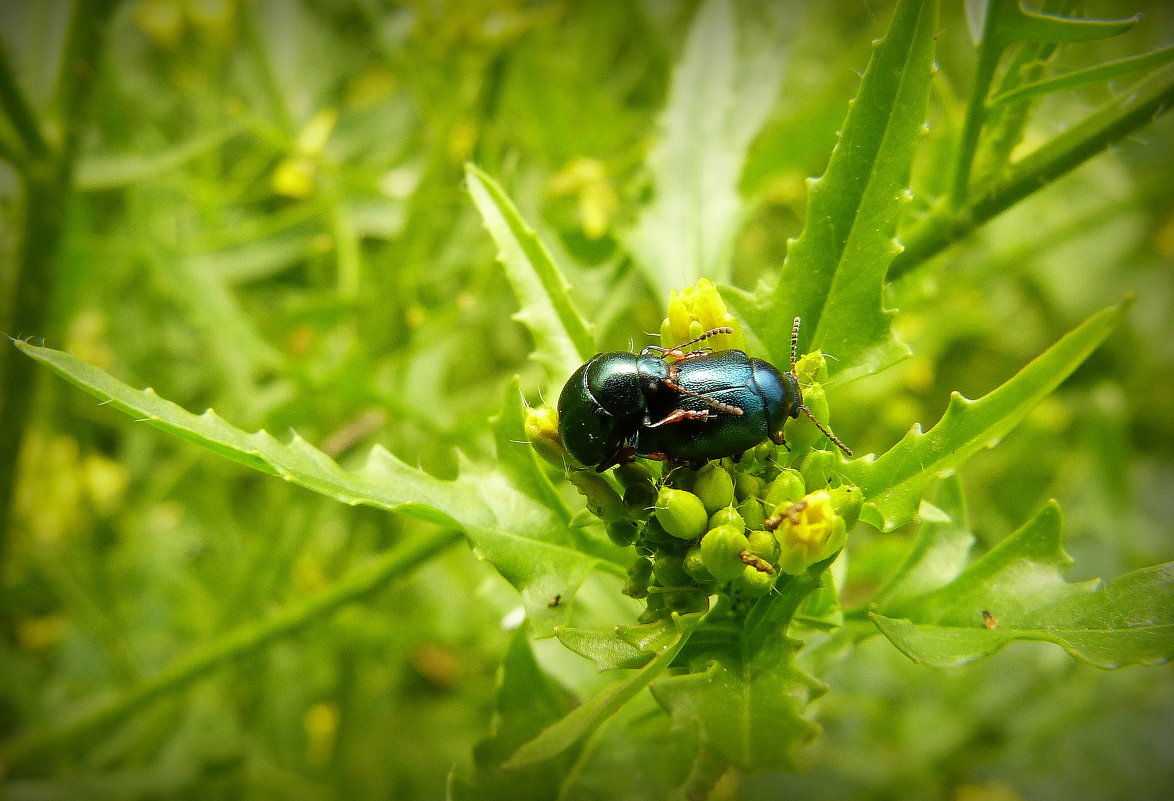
695,310
808,530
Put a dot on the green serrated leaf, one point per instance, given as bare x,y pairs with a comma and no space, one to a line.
834,272
748,710
562,340
606,649
722,92
1023,572
650,638
894,483
384,482
940,552
1108,71
572,729
527,701
1010,21
1016,592
744,693
540,571
521,538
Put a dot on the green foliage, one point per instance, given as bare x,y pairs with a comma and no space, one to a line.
835,270
894,484
300,215
561,337
1015,591
723,89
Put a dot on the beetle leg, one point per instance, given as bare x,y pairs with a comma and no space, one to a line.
721,407
621,455
791,513
677,415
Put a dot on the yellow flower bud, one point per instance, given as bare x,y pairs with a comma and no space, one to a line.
542,431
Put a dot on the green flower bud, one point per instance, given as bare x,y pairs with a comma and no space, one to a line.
681,513
808,437
786,488
751,512
631,474
640,570
721,551
808,530
714,487
656,608
681,478
655,537
748,486
639,491
764,545
727,515
817,468
669,571
685,601
542,430
635,589
638,575
695,566
753,583
847,501
603,501
640,498
622,532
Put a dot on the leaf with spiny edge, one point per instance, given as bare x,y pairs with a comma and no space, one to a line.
939,553
518,535
1017,592
526,702
562,340
570,731
834,272
722,92
894,483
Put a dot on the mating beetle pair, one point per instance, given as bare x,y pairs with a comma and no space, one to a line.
677,405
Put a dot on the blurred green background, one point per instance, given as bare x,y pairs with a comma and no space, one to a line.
263,212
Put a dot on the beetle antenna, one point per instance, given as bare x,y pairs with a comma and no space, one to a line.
827,433
678,351
794,344
710,333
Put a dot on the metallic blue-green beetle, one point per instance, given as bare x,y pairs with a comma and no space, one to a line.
677,405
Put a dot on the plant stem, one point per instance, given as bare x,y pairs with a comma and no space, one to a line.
19,110
1067,151
989,52
243,640
47,175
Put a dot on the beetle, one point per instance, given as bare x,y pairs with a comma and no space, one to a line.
678,405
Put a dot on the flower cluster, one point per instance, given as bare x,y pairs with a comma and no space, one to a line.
734,529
